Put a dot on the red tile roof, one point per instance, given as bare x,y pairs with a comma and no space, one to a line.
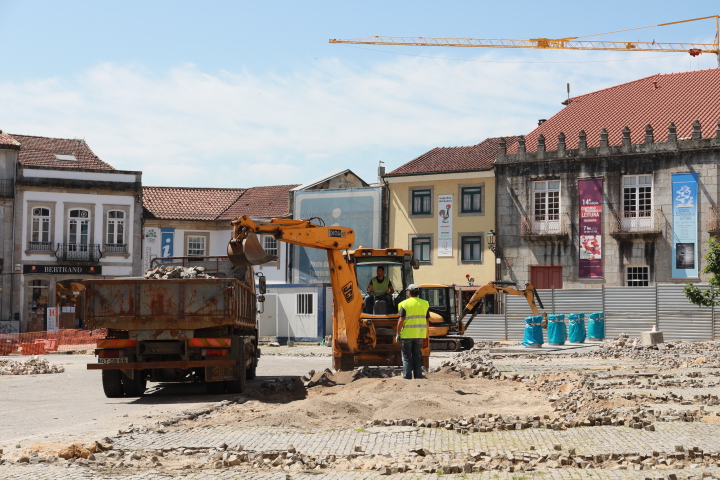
182,203
657,100
7,140
40,151
454,159
262,202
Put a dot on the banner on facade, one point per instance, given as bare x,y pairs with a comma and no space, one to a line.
167,243
684,238
590,224
445,232
52,319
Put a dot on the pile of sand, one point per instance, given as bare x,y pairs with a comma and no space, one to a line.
345,401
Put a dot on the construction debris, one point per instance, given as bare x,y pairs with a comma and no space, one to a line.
31,366
164,272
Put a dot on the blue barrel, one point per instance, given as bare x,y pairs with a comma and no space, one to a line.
596,326
529,336
576,330
538,334
557,330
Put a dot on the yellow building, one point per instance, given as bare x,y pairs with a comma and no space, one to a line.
442,207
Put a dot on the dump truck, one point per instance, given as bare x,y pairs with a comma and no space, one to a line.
362,335
174,330
447,329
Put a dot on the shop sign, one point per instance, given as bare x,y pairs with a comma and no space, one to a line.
63,269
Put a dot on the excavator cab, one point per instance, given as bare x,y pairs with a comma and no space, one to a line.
395,265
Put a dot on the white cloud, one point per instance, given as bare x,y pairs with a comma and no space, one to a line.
186,127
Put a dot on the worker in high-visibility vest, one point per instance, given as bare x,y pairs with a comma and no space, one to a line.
412,330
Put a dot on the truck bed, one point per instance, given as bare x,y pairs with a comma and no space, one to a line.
184,304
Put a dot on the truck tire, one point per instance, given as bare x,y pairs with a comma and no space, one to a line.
251,371
112,384
134,387
237,385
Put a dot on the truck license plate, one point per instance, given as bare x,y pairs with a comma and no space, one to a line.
113,360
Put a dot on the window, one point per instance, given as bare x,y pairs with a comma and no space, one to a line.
40,234
78,230
471,200
471,249
195,246
270,245
421,202
637,202
421,248
546,206
115,227
637,276
305,303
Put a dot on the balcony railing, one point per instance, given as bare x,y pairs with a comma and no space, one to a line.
542,228
40,247
714,220
635,224
78,252
115,248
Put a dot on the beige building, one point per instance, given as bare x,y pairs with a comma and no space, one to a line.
442,207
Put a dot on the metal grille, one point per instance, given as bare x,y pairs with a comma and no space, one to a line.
681,320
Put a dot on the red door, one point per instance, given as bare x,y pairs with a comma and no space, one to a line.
546,277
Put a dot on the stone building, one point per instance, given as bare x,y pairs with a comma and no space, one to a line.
442,207
620,188
66,216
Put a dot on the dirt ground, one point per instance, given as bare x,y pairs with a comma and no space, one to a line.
348,403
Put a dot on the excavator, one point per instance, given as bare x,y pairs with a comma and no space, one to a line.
363,332
447,330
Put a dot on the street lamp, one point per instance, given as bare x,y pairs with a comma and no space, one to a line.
492,245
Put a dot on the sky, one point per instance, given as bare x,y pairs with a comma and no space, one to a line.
236,94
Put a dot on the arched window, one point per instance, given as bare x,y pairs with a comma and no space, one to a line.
40,234
79,229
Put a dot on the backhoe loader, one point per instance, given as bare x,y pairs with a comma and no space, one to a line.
447,330
360,337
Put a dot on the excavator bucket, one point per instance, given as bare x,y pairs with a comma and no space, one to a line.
248,252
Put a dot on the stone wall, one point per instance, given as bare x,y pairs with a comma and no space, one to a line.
516,172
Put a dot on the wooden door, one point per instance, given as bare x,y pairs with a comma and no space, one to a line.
546,277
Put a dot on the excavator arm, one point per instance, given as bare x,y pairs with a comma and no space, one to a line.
352,333
492,288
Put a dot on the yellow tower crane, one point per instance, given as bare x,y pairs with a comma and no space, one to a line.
569,43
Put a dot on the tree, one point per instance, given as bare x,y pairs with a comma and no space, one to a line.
710,296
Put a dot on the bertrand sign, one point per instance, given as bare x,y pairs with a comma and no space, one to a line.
63,269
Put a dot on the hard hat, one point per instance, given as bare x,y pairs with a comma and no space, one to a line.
412,288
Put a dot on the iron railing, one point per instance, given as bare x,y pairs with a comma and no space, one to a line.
115,248
543,227
78,252
40,247
632,224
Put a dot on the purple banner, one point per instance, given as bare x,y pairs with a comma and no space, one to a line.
590,193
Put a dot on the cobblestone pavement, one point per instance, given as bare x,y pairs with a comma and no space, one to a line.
391,441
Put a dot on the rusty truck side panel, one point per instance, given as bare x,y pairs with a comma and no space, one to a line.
176,304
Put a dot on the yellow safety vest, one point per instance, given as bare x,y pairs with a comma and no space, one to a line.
415,324
379,288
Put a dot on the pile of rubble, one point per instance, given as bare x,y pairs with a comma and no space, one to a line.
165,272
32,366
